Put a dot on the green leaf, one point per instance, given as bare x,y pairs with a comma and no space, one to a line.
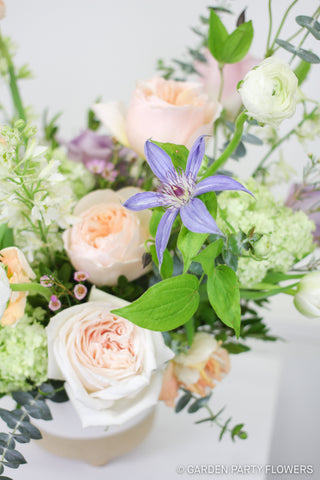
183,402
235,348
302,70
286,45
224,429
29,429
167,262
189,244
307,56
177,153
236,430
22,397
238,43
166,305
208,255
6,236
7,441
224,296
217,36
258,294
154,222
310,24
276,277
14,456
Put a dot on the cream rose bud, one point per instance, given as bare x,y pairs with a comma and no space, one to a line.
269,92
108,240
18,270
112,368
307,298
164,110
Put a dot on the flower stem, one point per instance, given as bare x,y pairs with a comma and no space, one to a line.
221,82
270,28
230,148
31,287
16,98
281,24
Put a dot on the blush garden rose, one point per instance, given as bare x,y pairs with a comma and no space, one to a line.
165,110
108,240
112,368
269,92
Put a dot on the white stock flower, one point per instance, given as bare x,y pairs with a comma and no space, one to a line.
269,92
112,368
307,298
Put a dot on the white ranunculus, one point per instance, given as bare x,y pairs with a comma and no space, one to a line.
269,92
307,298
5,291
112,368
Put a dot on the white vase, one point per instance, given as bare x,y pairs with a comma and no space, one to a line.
65,436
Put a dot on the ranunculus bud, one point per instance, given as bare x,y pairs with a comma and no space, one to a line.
269,92
307,298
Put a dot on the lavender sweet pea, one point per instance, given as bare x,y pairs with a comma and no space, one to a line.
178,193
307,199
93,150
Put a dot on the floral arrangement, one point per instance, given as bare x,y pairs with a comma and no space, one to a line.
133,263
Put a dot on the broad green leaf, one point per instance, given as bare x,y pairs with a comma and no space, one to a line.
224,296
217,36
6,236
210,201
189,326
167,263
189,244
208,255
235,348
302,70
238,43
183,402
166,305
276,277
177,153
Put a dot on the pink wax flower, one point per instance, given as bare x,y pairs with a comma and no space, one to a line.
209,76
307,199
54,303
81,276
80,291
46,281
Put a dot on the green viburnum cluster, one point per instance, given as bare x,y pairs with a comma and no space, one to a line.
287,236
23,356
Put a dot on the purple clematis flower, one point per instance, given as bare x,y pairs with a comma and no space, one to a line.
178,192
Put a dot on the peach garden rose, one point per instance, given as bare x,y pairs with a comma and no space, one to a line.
164,110
108,240
18,271
112,368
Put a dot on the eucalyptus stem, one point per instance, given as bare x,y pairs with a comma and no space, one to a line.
16,98
230,148
282,23
276,145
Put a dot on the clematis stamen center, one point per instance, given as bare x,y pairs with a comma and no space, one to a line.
178,190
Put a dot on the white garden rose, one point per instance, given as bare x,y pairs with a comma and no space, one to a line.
269,92
5,291
307,298
112,368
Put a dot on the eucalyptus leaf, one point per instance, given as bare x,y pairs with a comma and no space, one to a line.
39,410
166,305
14,456
11,418
199,403
308,56
286,45
183,402
224,296
22,397
29,429
252,139
7,441
310,24
20,438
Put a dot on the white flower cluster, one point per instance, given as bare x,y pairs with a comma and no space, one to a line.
288,232
35,198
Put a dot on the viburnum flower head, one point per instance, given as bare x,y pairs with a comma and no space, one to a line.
178,192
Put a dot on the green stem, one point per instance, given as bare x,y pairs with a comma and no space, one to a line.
270,27
282,23
276,145
221,81
230,148
31,287
16,98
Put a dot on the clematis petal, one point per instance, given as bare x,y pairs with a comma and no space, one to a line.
163,232
195,157
196,218
141,201
159,161
217,183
